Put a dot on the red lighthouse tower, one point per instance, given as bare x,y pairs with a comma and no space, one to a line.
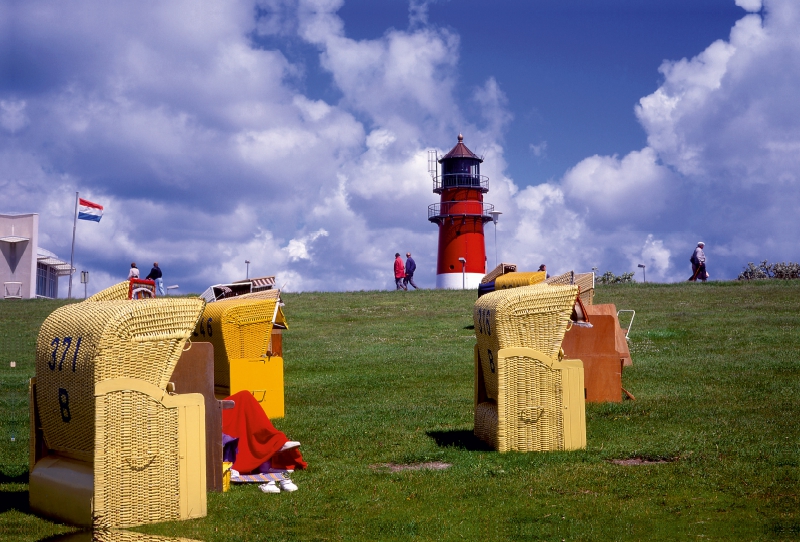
460,214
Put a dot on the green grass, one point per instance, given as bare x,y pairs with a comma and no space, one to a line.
380,377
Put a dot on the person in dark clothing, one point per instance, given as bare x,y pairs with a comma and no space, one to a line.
156,274
411,266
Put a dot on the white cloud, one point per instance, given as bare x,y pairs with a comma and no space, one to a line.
749,5
12,115
299,249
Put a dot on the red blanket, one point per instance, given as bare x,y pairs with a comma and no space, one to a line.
259,441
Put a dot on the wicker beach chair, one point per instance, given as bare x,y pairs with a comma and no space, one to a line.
118,292
245,353
501,269
515,280
129,289
526,398
109,446
584,280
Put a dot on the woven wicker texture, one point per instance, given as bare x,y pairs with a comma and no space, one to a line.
529,414
238,328
515,280
501,269
262,294
530,316
563,279
136,461
85,343
118,292
103,535
585,281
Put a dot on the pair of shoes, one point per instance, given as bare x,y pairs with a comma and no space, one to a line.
269,487
287,485
289,445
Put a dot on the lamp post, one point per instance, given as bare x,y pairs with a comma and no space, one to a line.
463,273
247,275
644,272
85,281
495,216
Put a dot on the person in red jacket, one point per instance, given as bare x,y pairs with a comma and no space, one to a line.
399,272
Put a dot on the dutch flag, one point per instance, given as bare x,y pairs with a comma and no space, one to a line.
89,210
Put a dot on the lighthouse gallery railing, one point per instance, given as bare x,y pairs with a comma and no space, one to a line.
438,211
460,180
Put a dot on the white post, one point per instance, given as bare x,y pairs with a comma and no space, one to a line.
463,273
72,254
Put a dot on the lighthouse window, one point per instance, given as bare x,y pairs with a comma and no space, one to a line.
458,233
452,267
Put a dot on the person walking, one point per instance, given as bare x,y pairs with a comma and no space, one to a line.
134,272
399,272
411,266
156,275
698,260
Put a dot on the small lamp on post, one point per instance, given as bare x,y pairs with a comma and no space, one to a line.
463,273
495,216
85,281
644,272
247,274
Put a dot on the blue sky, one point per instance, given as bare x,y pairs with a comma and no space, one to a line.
294,134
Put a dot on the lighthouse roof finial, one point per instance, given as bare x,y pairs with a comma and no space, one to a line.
460,151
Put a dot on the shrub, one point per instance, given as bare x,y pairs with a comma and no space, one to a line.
610,278
766,270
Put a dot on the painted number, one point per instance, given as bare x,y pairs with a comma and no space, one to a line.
491,361
63,402
66,342
484,321
204,329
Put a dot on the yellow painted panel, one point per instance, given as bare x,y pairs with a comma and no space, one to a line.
263,377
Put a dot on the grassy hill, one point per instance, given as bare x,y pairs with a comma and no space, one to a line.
377,378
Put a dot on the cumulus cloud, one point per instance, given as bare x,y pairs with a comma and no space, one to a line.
299,249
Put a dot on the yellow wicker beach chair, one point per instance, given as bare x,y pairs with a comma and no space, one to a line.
584,280
104,432
118,292
515,280
533,318
241,331
501,269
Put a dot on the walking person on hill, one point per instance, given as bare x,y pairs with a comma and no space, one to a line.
698,260
156,275
411,266
399,272
134,272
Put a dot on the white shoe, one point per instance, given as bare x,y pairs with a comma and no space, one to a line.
269,487
289,445
287,485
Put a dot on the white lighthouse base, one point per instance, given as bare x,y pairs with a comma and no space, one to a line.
457,281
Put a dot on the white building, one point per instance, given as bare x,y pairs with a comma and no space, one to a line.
26,270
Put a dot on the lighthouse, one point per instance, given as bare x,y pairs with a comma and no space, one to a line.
460,215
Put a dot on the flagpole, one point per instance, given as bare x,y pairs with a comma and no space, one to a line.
72,254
